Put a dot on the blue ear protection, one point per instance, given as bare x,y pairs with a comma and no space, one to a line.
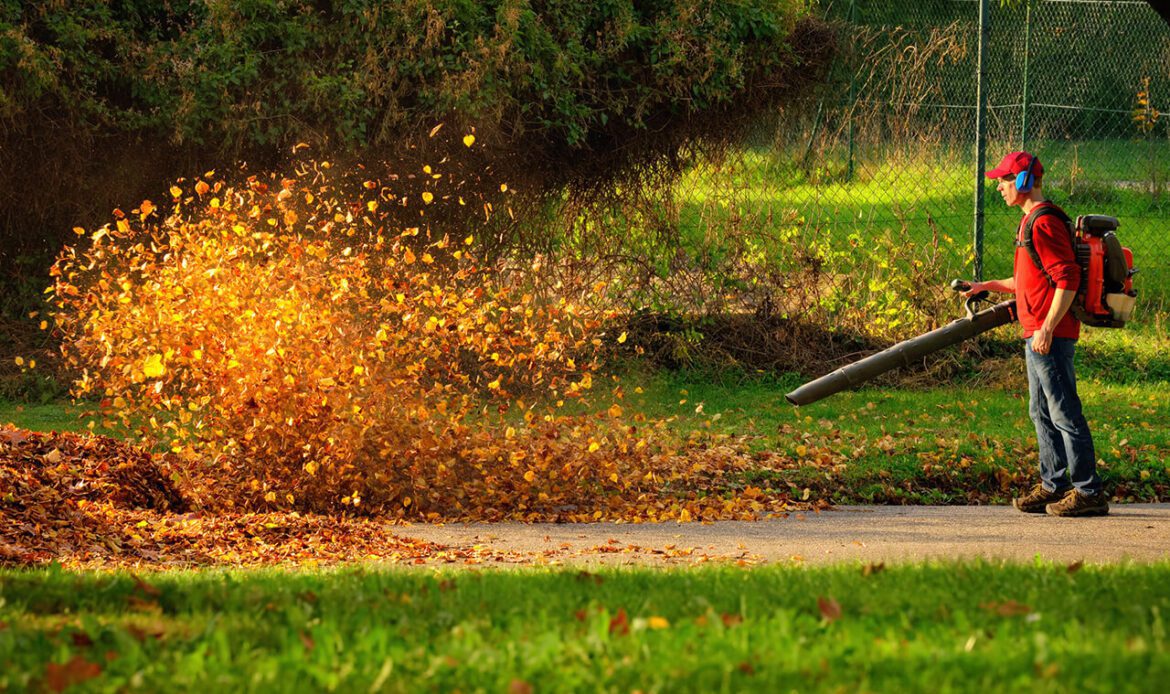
1025,180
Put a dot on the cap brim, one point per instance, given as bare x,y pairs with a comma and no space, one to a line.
998,173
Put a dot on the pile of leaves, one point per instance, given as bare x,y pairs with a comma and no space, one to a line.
54,488
93,499
88,500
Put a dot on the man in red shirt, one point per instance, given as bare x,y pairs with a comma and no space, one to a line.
1069,484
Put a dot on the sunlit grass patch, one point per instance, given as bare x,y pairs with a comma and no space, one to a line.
915,627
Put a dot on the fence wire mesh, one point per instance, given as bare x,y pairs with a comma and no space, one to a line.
841,208
888,151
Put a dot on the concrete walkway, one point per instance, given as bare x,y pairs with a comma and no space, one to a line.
867,534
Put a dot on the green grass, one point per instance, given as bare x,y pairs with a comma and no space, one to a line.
928,192
924,627
52,416
878,444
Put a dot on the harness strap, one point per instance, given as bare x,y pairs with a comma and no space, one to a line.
1026,242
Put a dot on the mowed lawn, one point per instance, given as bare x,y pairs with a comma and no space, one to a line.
927,627
963,440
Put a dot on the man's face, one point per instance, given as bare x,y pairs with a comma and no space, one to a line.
1007,189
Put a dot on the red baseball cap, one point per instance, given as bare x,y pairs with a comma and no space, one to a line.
1015,162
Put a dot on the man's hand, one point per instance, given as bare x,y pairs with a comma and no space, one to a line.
1042,340
974,288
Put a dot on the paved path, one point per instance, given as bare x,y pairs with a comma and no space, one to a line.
1139,532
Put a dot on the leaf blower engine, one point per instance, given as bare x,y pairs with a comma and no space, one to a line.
1106,296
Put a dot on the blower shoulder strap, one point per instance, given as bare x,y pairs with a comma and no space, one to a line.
1025,240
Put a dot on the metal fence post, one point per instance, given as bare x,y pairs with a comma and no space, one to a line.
1027,61
980,135
852,95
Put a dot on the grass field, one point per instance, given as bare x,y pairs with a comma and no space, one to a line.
931,193
954,442
933,627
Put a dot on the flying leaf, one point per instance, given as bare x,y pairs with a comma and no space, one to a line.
153,366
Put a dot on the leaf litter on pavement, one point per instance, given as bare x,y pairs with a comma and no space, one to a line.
92,501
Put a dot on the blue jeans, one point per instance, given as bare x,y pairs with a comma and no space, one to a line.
1067,458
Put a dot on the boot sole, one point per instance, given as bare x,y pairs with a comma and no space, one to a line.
1081,513
1030,509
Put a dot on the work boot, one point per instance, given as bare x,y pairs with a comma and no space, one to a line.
1075,503
1037,500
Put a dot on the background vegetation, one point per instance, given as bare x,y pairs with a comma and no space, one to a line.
103,104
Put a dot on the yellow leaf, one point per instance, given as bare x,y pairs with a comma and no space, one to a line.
427,197
469,240
20,361
622,338
658,623
615,410
503,187
494,385
469,140
153,366
529,476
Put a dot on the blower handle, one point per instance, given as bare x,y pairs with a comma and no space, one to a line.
973,300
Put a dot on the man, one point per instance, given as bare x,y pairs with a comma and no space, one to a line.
1044,291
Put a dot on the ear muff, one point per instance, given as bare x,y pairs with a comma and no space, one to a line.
1025,180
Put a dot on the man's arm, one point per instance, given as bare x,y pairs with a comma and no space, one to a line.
1062,300
1007,286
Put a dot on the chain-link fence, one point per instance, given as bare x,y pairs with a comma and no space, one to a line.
893,145
842,208
1079,82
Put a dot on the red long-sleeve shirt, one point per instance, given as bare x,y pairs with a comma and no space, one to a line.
1034,293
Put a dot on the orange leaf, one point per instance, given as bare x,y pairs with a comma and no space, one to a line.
619,624
76,671
830,608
